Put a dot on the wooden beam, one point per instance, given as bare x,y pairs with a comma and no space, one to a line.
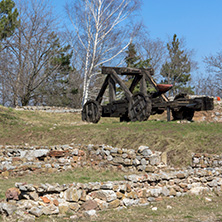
118,80
152,81
112,90
143,86
103,89
124,70
135,81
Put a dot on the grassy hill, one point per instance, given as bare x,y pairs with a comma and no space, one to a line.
178,139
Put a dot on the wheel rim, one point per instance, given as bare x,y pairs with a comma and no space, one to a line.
139,108
91,111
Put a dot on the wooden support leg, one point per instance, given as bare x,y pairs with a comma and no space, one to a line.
168,114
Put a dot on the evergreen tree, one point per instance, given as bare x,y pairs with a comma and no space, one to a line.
59,88
176,71
8,18
133,60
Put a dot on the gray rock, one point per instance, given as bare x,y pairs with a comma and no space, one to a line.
213,183
178,194
151,199
133,178
198,190
36,211
142,148
143,162
141,167
118,160
50,210
127,162
217,114
147,152
138,158
196,160
106,195
107,186
113,150
136,162
107,152
7,208
33,196
154,160
38,153
90,213
165,191
155,192
75,152
72,194
24,217
124,155
128,202
109,158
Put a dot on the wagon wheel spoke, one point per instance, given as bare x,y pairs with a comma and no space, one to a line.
139,108
91,111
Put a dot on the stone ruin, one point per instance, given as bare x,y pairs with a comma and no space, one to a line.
151,179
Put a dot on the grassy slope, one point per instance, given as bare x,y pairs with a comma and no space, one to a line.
179,140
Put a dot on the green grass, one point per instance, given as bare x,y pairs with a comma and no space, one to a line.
182,209
188,208
180,140
81,175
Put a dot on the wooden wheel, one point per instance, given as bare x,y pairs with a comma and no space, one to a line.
184,113
139,108
91,111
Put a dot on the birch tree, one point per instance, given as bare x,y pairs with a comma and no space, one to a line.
100,32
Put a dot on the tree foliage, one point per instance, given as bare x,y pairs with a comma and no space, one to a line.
61,88
8,18
177,69
133,60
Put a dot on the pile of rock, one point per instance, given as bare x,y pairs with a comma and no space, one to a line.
128,159
32,201
18,160
205,160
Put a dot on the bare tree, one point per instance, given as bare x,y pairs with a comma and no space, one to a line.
207,85
214,68
154,50
31,49
101,31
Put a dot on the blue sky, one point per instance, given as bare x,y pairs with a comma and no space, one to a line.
197,21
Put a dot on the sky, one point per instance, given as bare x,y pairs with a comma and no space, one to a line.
197,21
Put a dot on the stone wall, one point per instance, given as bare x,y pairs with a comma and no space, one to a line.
205,160
31,201
51,109
18,160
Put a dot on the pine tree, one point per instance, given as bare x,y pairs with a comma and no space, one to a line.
8,18
176,71
59,89
133,60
